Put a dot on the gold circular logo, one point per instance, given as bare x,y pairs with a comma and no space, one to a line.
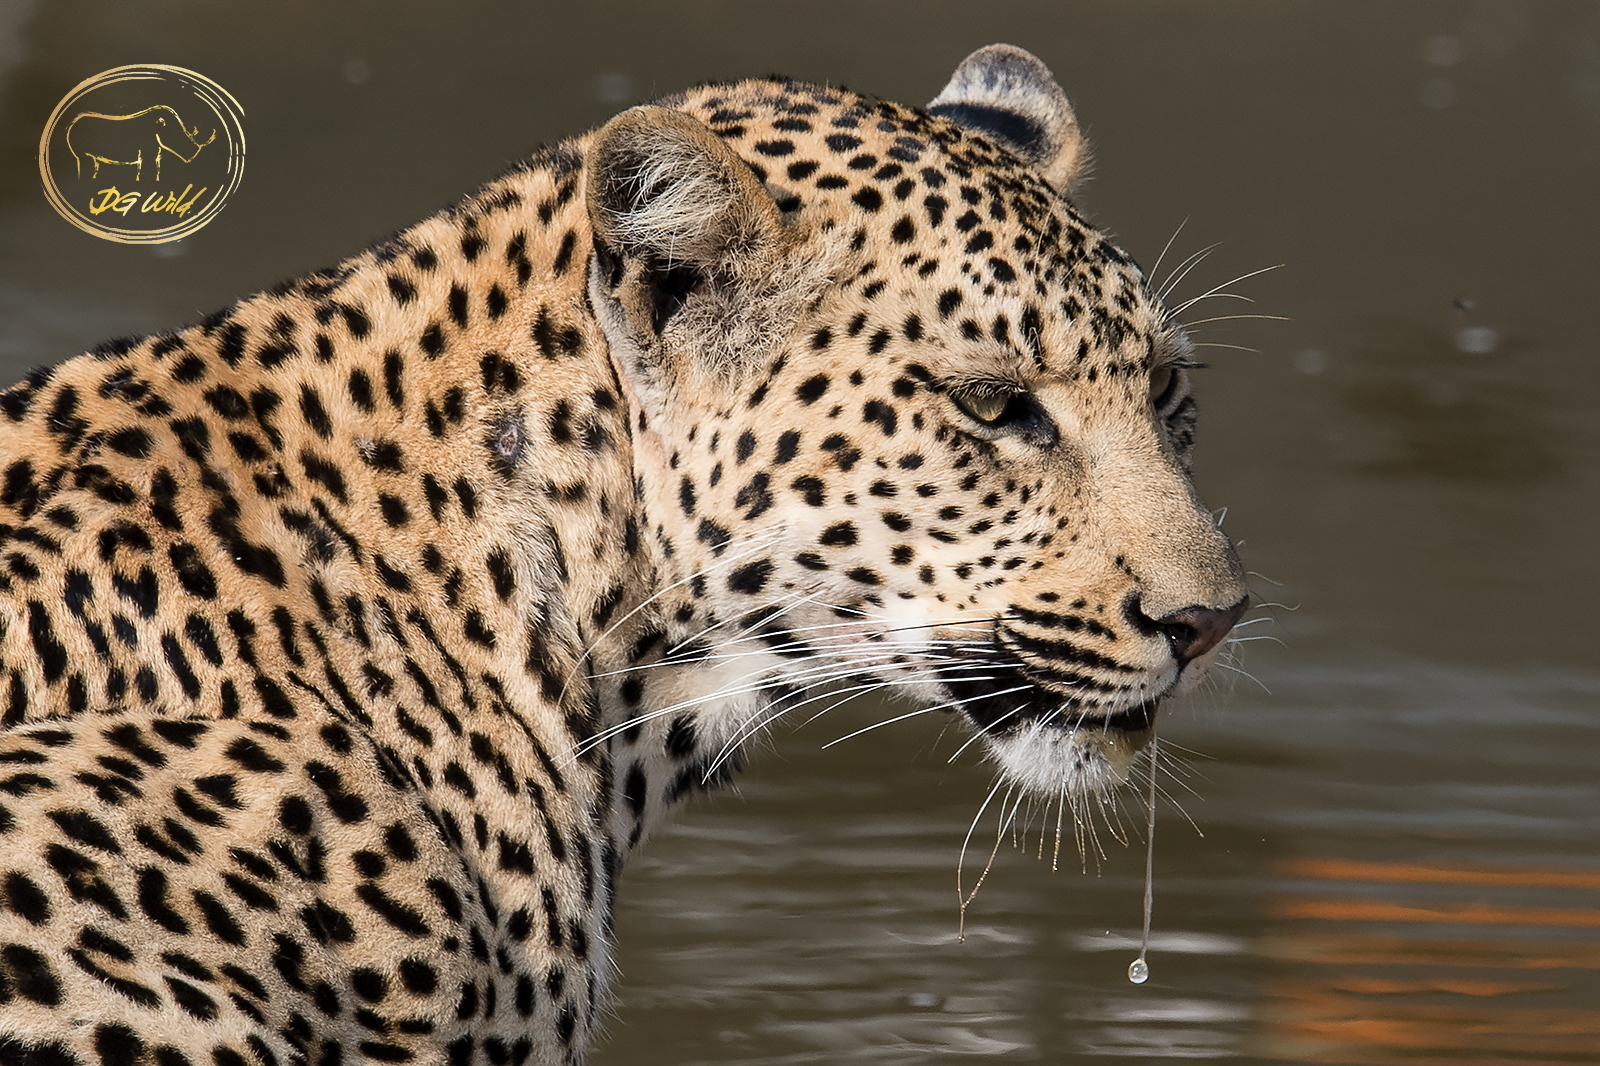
142,154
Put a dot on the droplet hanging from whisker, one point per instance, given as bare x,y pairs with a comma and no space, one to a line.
1061,810
1139,969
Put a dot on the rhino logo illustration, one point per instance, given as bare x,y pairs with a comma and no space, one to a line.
132,140
119,139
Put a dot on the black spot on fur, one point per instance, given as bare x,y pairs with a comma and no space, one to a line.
751,577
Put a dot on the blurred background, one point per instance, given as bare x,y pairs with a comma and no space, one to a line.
1388,848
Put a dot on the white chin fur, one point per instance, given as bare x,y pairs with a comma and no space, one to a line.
1082,761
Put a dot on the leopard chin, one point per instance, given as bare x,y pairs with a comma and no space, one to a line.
1089,758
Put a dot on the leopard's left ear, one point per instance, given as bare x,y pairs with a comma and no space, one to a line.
673,208
695,272
1009,96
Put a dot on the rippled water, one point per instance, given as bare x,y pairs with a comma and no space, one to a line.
1394,853
1397,866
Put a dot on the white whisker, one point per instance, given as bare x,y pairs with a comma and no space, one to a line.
1182,271
1167,248
771,538
984,731
744,731
1218,290
923,710
1234,318
1245,673
962,857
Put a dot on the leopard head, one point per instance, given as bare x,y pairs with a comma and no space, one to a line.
903,420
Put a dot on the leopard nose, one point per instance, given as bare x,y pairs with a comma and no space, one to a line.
1194,631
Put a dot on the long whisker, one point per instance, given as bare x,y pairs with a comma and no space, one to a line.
1233,318
752,633
1218,290
735,629
735,620
1245,673
1157,268
958,671
1182,271
822,673
761,543
745,730
985,731
961,929
827,673
728,650
922,710
999,835
1061,810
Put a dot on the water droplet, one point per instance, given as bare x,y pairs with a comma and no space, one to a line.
1138,969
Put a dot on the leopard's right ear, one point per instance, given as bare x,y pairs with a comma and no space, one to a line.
675,215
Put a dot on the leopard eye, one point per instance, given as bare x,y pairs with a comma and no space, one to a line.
1002,409
1163,382
983,405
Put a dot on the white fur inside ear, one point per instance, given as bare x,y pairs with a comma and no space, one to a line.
1008,94
680,198
704,274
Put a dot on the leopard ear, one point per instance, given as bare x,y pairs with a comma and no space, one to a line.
674,211
1008,95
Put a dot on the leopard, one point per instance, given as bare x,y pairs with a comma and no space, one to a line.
355,637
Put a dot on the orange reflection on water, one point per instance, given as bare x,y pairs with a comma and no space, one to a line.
1350,949
1409,873
1371,910
1376,986
1329,1026
1371,997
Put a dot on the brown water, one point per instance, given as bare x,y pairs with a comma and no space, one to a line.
1401,850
